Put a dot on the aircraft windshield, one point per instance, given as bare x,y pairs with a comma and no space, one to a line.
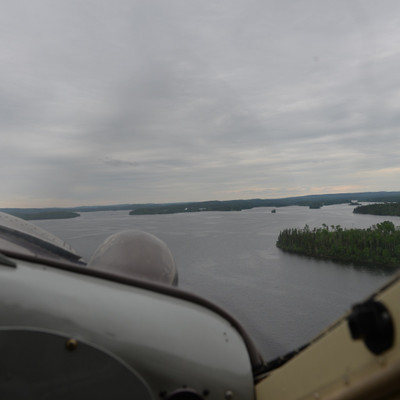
206,124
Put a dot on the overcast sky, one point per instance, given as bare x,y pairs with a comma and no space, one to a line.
125,101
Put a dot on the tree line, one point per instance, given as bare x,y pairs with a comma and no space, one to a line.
379,209
378,245
46,215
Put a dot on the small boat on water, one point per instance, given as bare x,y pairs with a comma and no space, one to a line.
120,327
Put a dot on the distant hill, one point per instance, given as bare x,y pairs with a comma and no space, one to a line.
311,201
228,205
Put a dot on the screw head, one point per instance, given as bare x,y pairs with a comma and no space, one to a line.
71,344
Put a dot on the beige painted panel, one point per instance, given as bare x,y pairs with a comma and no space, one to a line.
335,366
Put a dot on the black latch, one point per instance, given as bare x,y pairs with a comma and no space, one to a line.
371,322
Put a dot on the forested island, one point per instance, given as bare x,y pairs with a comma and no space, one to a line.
192,207
379,209
378,245
46,215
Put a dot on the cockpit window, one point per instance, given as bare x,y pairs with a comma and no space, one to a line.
213,125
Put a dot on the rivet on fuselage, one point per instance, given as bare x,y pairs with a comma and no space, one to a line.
71,344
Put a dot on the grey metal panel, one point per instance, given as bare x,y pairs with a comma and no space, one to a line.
41,365
169,342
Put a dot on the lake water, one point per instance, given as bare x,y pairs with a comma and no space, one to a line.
231,259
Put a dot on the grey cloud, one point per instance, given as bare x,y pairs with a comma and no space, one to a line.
179,100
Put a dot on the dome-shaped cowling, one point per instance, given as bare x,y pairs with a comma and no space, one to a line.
136,254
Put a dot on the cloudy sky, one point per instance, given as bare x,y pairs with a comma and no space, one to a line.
130,101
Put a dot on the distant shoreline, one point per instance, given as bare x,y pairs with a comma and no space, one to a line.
387,209
311,201
46,215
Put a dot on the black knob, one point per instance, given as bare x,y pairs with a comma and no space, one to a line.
371,322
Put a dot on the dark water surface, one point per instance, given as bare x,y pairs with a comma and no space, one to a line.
230,258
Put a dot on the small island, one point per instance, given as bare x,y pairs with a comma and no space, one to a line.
386,209
378,245
315,206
